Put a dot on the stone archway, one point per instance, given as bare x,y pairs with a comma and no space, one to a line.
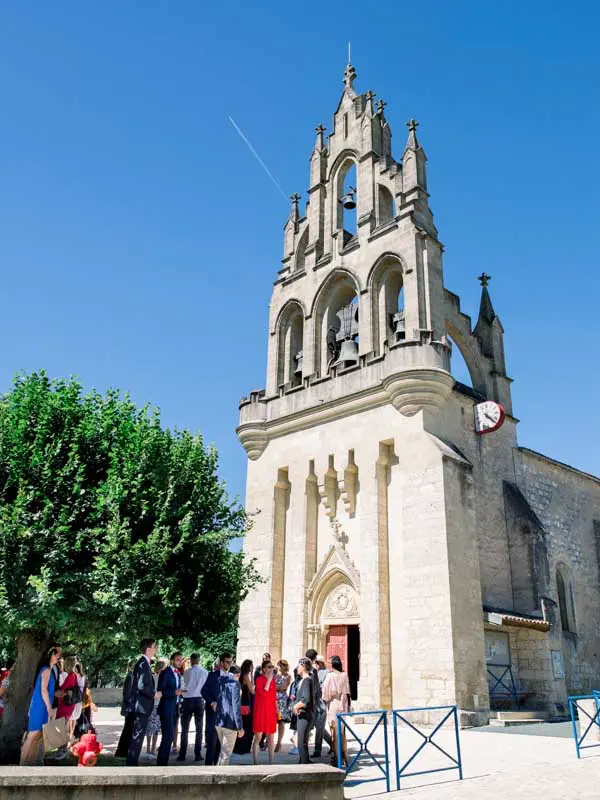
333,597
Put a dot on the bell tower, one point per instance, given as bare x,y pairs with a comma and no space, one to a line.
360,287
350,426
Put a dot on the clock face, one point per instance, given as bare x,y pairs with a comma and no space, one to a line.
489,416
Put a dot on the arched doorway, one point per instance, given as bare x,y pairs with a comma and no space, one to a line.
334,614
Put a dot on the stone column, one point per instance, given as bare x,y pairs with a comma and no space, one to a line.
312,528
280,513
382,468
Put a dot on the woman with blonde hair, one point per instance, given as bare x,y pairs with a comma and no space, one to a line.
71,694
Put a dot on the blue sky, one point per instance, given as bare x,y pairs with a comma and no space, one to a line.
139,239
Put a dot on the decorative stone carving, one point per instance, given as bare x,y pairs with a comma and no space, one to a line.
417,389
341,604
254,440
338,533
329,490
350,487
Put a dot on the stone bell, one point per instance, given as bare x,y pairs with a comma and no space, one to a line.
348,352
348,200
299,357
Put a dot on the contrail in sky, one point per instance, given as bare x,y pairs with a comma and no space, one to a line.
257,157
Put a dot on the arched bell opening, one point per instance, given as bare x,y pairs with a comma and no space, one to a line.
290,346
337,333
386,207
347,201
387,311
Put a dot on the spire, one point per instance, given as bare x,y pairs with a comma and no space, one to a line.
414,160
369,102
381,104
412,141
486,309
320,130
295,213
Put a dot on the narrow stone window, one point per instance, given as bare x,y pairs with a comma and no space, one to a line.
566,601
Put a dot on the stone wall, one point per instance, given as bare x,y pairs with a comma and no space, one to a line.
154,783
568,504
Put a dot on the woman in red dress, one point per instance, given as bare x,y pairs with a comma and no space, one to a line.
265,710
66,702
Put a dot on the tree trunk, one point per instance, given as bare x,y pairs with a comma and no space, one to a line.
30,645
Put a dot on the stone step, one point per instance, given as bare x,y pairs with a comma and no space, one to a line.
510,723
535,714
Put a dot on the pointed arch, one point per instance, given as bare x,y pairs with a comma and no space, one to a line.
339,288
344,162
386,207
386,283
336,572
301,251
289,329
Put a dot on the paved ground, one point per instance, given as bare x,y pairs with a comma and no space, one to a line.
521,762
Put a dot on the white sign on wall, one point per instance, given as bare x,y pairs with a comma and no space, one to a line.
558,668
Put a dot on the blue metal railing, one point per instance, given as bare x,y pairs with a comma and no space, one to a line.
382,762
500,687
400,714
380,719
575,705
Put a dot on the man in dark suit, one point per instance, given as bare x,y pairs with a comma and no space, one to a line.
320,709
169,686
141,700
126,733
210,693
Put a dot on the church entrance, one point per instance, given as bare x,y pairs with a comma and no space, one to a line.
344,641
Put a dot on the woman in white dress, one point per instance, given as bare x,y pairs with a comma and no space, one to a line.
336,693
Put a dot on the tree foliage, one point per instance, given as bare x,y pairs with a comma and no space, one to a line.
111,527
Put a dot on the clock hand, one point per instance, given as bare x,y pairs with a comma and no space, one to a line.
491,419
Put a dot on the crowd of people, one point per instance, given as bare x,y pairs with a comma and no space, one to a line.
60,691
235,709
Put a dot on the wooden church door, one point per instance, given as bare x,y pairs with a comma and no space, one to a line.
337,643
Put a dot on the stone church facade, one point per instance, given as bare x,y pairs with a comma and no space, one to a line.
435,560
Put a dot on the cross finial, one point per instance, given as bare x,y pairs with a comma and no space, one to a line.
320,128
381,104
349,76
484,279
412,125
295,198
370,94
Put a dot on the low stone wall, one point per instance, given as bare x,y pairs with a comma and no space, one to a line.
317,782
106,696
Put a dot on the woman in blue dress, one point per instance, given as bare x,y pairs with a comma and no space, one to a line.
40,709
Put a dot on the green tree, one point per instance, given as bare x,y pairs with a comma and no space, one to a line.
111,528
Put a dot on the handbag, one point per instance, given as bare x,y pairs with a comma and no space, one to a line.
73,696
245,711
55,733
